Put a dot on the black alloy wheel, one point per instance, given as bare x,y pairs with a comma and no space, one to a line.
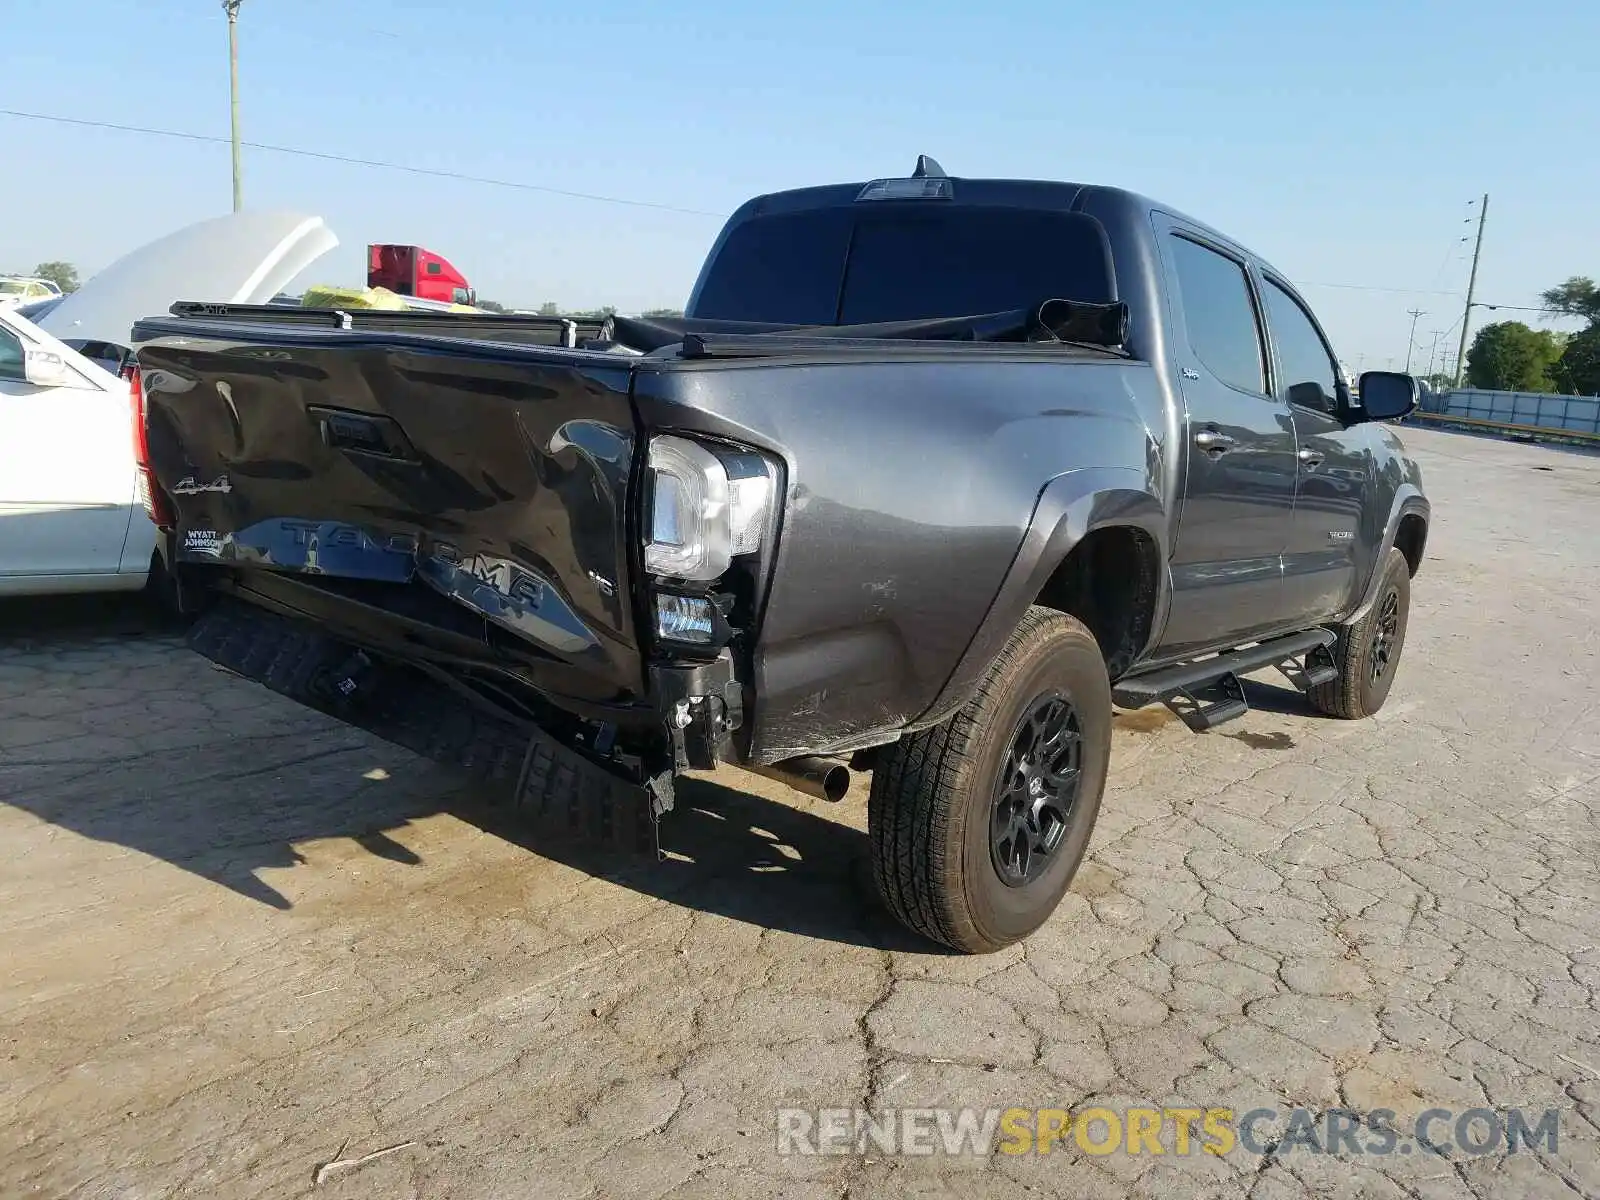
1037,790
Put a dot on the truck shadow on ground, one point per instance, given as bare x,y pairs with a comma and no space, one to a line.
233,804
737,855
731,853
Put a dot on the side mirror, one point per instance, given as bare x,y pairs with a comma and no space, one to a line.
1387,395
44,368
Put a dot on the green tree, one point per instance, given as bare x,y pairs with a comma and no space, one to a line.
493,306
63,274
549,309
1577,297
1510,357
1578,372
662,312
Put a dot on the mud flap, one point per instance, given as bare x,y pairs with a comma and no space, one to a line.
561,791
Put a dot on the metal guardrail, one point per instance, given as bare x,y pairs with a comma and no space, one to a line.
1537,431
1528,412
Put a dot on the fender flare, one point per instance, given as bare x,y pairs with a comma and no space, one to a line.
1408,501
1069,508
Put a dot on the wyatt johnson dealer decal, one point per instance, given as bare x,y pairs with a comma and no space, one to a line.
203,541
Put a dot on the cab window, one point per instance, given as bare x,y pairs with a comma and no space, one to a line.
1309,377
1219,315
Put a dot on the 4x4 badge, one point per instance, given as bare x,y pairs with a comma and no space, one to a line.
188,487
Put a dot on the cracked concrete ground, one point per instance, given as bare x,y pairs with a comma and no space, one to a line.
241,941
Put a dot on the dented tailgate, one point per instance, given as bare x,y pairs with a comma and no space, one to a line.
495,476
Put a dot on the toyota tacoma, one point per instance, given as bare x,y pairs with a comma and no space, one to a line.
932,473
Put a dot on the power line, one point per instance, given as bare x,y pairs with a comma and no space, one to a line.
1551,312
1453,251
298,152
1368,287
1362,287
461,177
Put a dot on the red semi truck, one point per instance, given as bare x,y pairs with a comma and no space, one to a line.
414,271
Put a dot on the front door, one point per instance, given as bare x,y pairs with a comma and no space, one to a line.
66,466
1333,462
1239,448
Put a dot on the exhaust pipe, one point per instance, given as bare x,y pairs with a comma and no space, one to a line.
825,778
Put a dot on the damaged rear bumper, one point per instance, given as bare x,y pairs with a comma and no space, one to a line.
562,789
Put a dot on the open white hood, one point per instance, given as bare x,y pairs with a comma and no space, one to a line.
242,258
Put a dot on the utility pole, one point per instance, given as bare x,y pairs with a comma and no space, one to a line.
1472,284
1433,351
231,7
1414,313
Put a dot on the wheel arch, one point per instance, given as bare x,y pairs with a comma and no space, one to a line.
1411,538
1406,530
1096,548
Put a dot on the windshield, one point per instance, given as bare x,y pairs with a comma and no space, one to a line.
858,265
12,287
38,308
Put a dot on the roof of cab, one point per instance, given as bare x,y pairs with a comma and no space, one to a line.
1005,193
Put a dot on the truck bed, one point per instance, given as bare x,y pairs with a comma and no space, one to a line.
458,490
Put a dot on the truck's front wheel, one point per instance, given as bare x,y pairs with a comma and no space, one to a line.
978,825
1367,653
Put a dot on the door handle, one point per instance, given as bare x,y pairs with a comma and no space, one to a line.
1309,457
1213,442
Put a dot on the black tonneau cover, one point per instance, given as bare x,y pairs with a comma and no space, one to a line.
1104,326
1099,327
498,327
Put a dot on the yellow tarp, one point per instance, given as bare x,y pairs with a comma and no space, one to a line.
322,296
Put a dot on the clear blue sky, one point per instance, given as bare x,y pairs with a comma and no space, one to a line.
1342,140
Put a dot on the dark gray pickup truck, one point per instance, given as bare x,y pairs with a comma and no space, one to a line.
933,472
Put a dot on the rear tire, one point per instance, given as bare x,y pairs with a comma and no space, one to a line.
978,825
1367,653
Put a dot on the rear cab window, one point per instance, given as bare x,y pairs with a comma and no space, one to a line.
882,261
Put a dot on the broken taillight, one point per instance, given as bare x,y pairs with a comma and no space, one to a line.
150,493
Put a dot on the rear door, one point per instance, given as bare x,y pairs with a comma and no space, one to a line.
1238,447
1334,465
67,486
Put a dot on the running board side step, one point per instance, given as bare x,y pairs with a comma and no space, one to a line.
1206,693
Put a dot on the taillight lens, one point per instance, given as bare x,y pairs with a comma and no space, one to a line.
688,512
705,508
150,494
